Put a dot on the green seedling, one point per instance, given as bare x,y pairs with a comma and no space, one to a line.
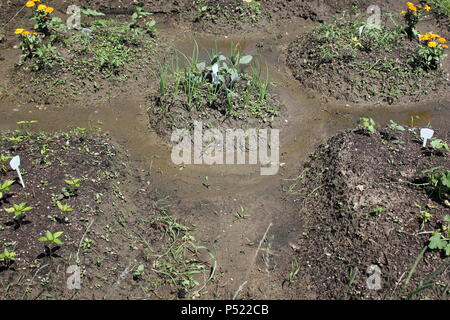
242,214
19,210
137,274
4,159
74,183
396,126
439,144
378,210
4,187
51,238
368,124
425,217
295,268
64,208
7,257
439,180
440,240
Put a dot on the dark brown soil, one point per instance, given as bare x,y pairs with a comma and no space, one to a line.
117,223
337,196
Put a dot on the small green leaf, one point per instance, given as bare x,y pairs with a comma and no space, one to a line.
245,59
436,242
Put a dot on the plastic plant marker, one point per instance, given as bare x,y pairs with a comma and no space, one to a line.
426,134
15,165
215,70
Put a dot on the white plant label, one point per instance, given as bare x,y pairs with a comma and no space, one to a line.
15,165
426,134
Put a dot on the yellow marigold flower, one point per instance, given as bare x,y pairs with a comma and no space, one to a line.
49,10
36,0
25,33
42,7
29,4
426,37
442,40
432,44
427,7
445,46
19,31
403,12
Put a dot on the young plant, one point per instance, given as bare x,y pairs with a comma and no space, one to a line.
45,55
4,187
367,124
42,17
440,239
51,239
19,211
29,42
439,181
413,15
7,257
425,217
4,159
138,15
74,183
439,144
431,51
64,208
137,274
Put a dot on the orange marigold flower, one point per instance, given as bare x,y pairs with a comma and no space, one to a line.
442,40
25,33
445,46
19,31
432,44
42,7
49,10
29,4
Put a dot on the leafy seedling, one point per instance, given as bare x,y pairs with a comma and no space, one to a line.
5,186
439,144
74,183
4,159
368,124
440,239
19,211
137,274
7,257
64,208
242,214
396,126
51,239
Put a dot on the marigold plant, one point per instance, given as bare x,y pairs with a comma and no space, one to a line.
41,15
413,15
431,51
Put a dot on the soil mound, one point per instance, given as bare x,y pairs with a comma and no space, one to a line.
368,200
